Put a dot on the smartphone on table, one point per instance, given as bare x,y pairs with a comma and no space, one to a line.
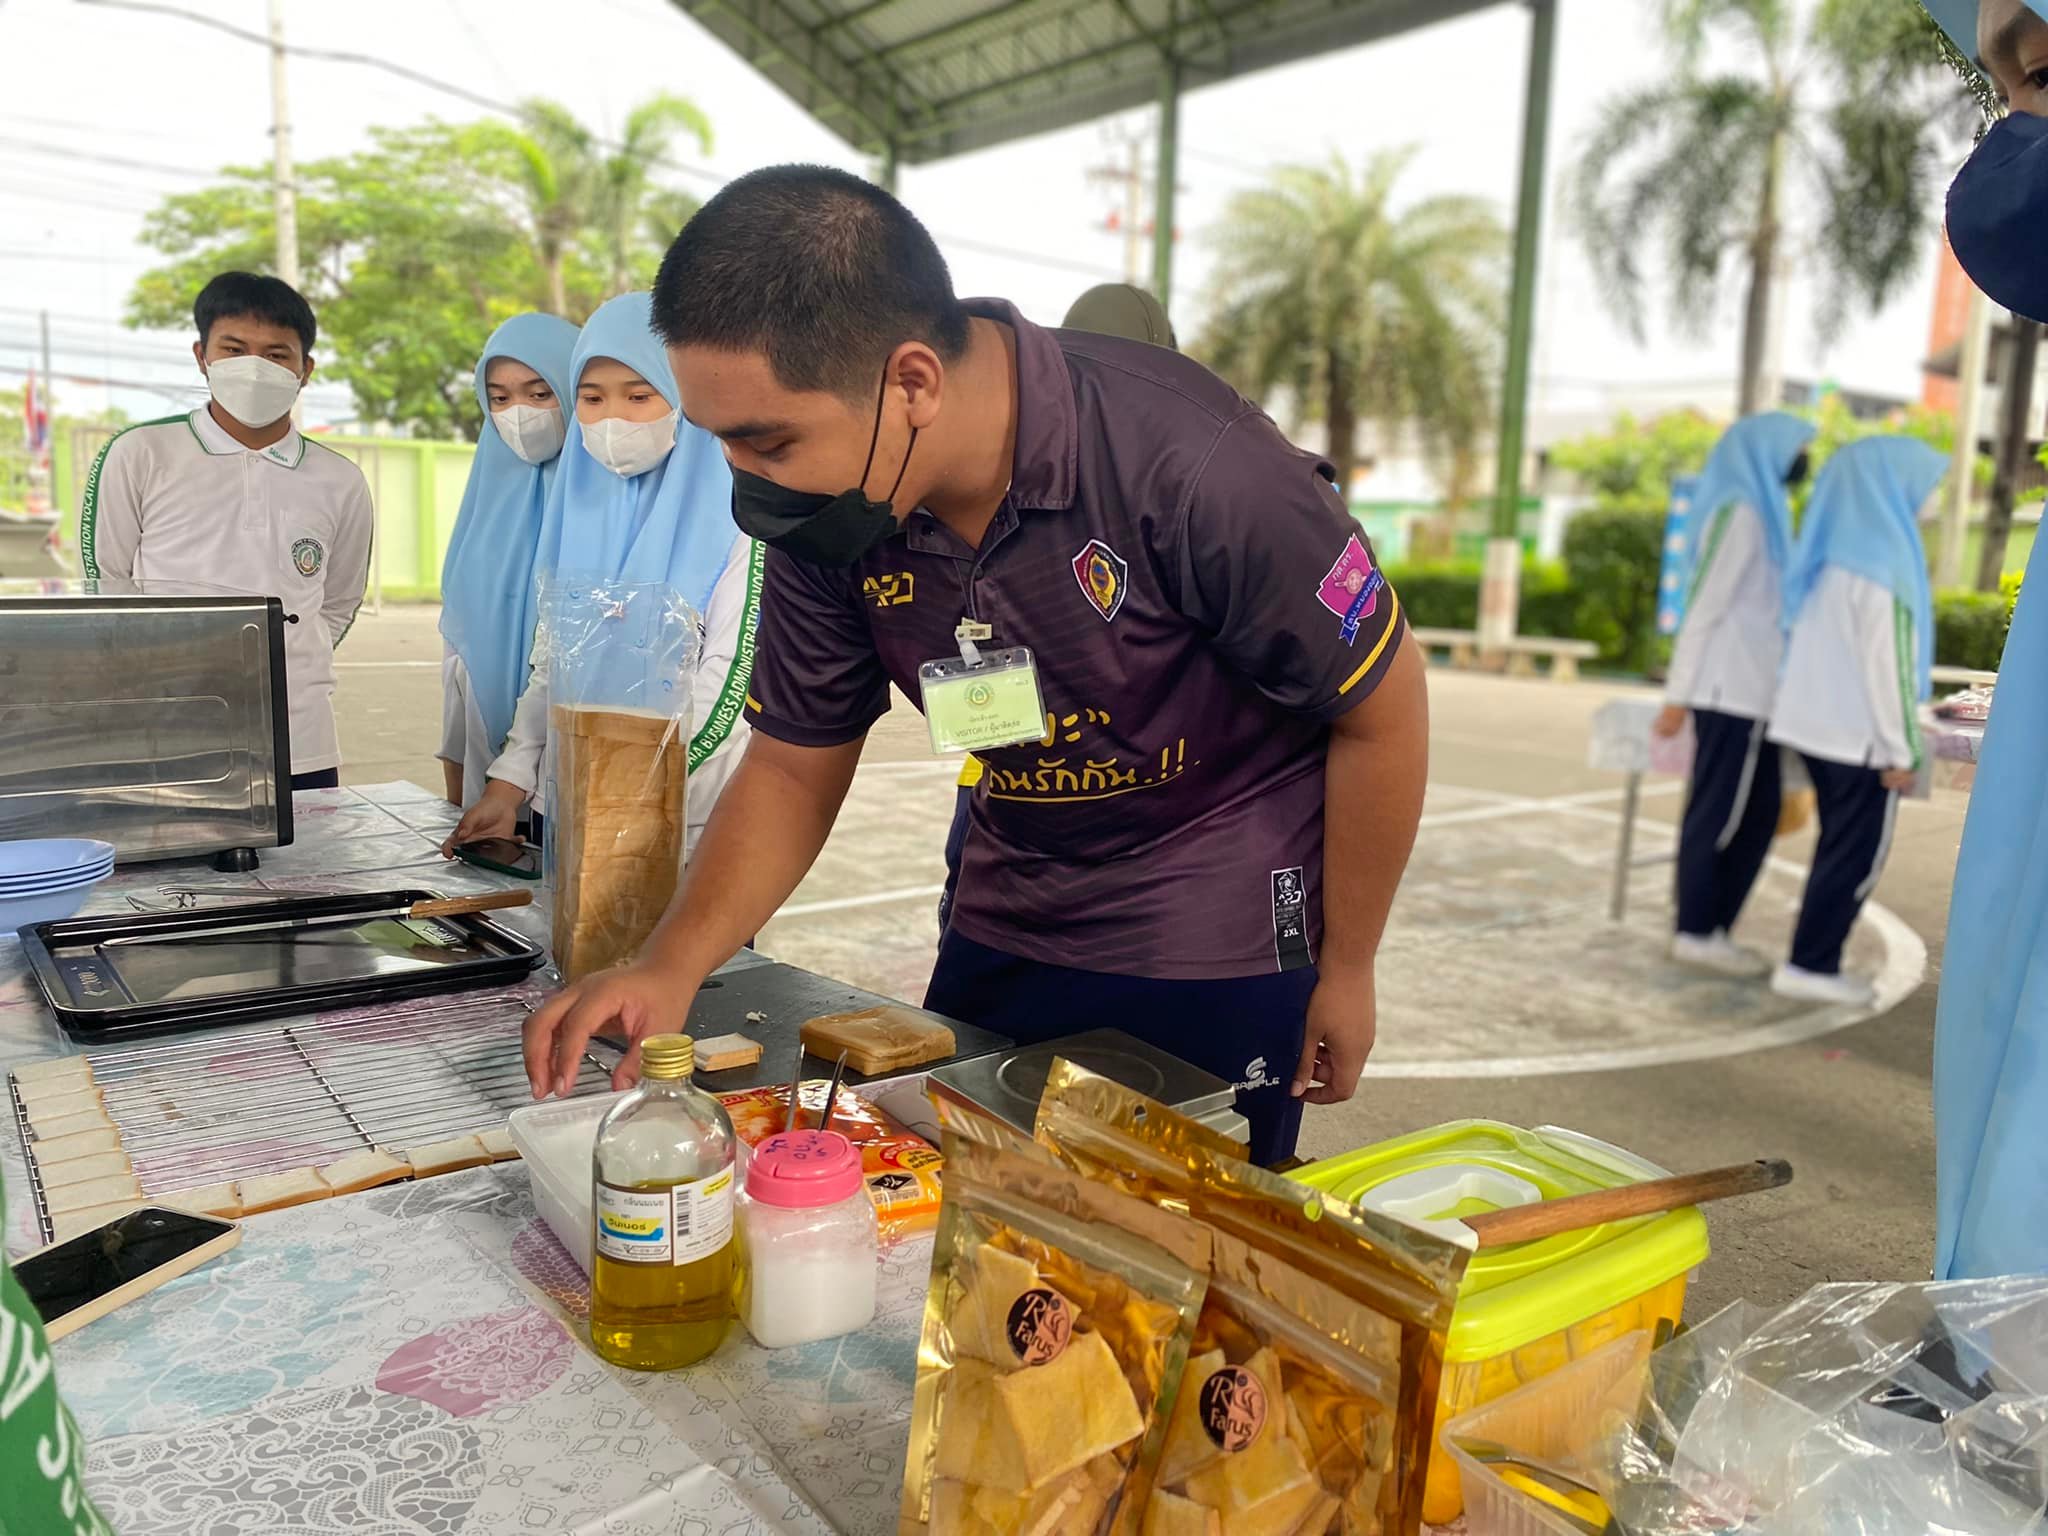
83,1278
506,855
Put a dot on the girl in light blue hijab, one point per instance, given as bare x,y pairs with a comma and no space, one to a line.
1860,642
522,386
1724,672
641,495
1991,1020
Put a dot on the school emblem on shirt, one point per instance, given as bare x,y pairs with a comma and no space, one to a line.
1103,574
308,555
1352,589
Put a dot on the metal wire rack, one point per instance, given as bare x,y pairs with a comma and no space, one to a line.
201,1111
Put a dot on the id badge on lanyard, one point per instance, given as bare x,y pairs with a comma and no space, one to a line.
980,699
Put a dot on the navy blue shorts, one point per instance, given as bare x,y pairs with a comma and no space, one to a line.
1245,1029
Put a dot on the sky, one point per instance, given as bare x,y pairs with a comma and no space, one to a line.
107,110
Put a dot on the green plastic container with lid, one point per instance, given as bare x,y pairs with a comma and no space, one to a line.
1524,1310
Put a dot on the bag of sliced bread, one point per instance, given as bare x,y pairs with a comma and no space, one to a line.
1306,1405
621,658
1056,1325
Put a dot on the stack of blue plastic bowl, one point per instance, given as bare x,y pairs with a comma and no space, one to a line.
43,879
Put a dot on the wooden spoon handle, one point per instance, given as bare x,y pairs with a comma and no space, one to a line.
1547,1218
458,906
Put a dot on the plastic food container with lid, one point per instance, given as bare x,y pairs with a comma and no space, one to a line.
808,1241
1523,1311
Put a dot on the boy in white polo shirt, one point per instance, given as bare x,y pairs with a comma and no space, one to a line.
231,496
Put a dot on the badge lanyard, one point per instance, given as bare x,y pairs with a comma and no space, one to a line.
981,699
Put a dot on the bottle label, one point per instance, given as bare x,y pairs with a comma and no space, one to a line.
678,1225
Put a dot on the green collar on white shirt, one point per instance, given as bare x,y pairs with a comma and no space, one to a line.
286,452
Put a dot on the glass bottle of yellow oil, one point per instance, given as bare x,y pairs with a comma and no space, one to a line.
662,1278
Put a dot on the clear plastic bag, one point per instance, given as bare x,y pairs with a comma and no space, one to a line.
620,658
1859,1410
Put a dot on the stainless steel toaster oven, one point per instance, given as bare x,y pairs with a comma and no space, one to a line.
156,721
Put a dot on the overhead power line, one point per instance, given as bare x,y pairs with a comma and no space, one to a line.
493,105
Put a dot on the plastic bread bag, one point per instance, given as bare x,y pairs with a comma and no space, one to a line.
1311,1389
620,659
1860,1409
1056,1326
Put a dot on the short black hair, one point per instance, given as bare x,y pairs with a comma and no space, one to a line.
823,272
252,293
1801,467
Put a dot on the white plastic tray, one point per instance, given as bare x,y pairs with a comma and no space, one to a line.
555,1139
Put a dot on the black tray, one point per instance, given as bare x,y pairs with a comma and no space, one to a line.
97,998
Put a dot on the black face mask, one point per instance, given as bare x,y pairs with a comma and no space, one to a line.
813,526
1998,210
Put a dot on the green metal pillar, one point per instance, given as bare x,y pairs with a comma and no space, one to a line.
1499,593
1167,175
1514,389
886,173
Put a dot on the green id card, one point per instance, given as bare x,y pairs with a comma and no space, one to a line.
993,702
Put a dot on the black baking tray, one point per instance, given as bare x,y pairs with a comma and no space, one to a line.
100,995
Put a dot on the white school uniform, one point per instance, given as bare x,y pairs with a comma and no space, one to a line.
1731,641
718,694
1846,694
465,739
180,502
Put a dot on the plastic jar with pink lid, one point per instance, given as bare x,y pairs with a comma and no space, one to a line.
808,1241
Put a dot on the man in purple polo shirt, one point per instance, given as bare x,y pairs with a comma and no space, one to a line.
1200,841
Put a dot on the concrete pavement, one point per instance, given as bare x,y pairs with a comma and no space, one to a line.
1500,967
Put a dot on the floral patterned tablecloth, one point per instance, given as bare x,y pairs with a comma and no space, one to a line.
414,1362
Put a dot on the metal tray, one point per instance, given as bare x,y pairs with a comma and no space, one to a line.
96,1001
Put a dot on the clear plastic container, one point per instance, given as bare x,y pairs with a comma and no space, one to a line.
1550,1420
808,1241
662,1187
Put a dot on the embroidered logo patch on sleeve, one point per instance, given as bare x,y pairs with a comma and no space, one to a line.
1352,589
1103,575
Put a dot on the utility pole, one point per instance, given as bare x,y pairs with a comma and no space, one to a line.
1501,582
2015,409
1962,470
284,195
1163,183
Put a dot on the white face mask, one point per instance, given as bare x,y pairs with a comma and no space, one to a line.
534,432
629,448
253,390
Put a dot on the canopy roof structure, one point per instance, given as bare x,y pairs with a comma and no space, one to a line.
919,80
912,81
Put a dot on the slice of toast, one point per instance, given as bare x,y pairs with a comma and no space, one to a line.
94,1119
276,1191
83,1170
363,1170
721,1053
73,1069
499,1144
222,1200
446,1156
52,1150
101,1191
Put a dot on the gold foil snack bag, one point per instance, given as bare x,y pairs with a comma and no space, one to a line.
1307,1401
1056,1324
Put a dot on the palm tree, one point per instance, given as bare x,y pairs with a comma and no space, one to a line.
1361,312
574,185
1842,121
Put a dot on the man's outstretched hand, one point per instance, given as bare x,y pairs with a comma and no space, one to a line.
634,1001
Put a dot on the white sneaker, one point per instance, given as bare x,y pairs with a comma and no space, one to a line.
1819,987
1718,953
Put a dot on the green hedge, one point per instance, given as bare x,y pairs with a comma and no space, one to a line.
1969,628
1606,592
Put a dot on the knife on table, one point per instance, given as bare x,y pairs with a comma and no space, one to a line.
453,906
